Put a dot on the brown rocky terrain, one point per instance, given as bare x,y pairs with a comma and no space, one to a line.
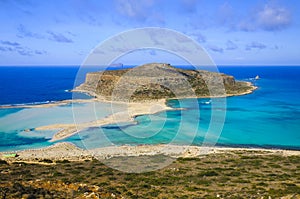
161,81
234,174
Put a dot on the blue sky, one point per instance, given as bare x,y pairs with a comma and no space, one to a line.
248,32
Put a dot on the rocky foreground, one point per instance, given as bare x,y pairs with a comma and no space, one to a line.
161,81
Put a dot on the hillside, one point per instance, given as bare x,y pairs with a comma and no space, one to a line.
235,174
160,81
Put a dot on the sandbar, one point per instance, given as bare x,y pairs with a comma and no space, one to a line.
133,109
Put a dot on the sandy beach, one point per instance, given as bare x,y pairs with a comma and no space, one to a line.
68,151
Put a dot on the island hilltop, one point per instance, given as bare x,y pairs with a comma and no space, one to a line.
161,81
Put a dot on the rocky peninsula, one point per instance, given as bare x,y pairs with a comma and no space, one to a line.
161,81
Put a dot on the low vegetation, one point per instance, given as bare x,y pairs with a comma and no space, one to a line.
230,175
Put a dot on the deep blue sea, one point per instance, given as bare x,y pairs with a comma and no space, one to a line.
27,85
269,117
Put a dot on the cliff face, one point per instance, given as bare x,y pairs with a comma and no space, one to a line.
157,81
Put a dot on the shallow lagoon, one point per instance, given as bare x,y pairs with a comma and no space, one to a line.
17,125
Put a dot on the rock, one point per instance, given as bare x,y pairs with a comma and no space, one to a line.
160,81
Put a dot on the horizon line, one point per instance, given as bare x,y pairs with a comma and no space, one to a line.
221,65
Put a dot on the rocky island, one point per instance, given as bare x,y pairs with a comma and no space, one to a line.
161,81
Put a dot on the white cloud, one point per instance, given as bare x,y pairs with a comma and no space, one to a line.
268,18
138,10
230,45
58,37
189,6
274,18
197,35
142,12
255,45
225,15
215,48
24,32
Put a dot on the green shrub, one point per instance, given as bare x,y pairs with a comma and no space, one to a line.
208,173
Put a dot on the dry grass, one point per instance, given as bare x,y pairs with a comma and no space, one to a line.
228,175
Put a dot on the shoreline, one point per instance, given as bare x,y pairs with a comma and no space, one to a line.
134,109
253,88
51,104
68,151
101,98
98,98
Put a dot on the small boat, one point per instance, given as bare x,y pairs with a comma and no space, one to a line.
257,77
207,102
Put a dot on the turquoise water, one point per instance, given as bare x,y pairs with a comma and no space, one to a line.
15,123
251,121
269,117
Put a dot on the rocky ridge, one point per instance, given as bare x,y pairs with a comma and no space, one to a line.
161,81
